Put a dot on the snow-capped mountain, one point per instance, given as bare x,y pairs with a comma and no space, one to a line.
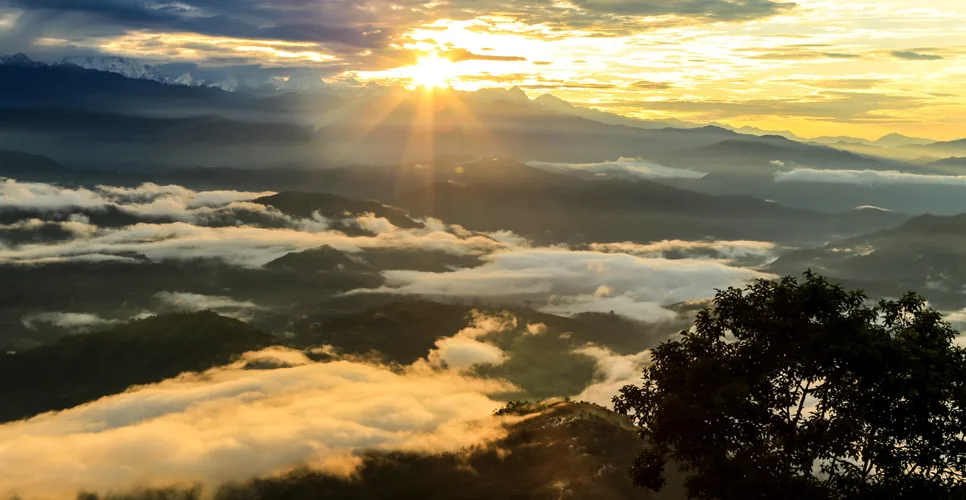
235,83
231,84
303,82
190,81
119,65
20,60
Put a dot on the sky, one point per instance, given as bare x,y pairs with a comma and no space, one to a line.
862,68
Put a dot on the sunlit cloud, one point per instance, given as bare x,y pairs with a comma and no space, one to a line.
769,64
233,424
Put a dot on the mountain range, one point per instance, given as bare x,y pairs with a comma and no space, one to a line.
140,71
890,145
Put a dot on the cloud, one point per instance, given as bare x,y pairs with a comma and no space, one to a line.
623,166
730,250
721,10
246,245
648,85
620,16
46,196
457,55
234,424
350,23
566,281
833,105
872,207
868,177
465,350
614,371
793,54
193,302
81,322
536,329
76,226
625,305
149,200
909,55
459,353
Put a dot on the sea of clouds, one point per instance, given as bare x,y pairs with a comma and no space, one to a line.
233,423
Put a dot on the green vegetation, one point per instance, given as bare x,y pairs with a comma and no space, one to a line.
800,390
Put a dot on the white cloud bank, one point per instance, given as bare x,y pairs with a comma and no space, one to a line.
80,322
623,166
868,177
465,350
570,281
233,424
241,245
738,249
146,199
194,302
614,371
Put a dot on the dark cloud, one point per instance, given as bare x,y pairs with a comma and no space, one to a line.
358,24
914,56
350,23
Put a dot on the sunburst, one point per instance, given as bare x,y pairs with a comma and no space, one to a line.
432,71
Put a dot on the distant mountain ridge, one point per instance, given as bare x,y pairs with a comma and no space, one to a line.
119,65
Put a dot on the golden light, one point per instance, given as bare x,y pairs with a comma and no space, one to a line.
432,71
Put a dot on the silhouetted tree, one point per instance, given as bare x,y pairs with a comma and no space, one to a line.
799,389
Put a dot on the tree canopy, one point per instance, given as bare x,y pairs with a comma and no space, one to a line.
801,389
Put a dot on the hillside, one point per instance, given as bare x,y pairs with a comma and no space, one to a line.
19,164
758,156
80,369
924,254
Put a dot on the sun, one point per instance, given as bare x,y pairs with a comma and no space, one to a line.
433,71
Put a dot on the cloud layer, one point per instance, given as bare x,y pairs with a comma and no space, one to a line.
570,281
147,199
208,224
868,177
614,371
234,424
628,167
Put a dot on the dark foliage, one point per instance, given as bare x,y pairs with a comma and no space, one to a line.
799,389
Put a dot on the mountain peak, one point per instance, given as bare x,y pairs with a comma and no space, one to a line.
898,140
20,59
118,65
517,94
186,79
550,99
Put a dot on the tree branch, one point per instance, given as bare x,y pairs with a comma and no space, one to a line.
801,404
